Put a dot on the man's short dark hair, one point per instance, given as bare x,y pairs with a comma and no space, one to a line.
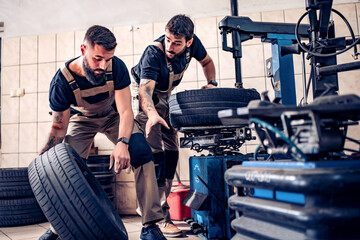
181,25
101,36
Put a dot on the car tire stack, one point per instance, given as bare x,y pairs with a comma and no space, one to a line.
18,205
200,107
99,166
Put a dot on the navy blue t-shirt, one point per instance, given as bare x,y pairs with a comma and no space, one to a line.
61,96
152,64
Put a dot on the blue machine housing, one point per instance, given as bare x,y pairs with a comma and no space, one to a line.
296,200
207,177
209,194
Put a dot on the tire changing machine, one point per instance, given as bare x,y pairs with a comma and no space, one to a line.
304,187
209,193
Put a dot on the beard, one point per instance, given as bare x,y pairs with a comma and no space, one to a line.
94,79
170,52
174,55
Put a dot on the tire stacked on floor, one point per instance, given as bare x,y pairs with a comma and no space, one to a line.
18,205
292,200
99,166
71,198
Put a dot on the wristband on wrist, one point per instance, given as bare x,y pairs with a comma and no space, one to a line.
213,82
124,140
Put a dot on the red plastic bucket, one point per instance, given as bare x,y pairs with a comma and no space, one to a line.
178,211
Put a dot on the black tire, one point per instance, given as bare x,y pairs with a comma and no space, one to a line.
19,212
99,166
71,198
214,95
98,159
196,106
201,107
14,183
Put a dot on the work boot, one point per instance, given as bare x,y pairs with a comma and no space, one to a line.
170,230
151,233
49,235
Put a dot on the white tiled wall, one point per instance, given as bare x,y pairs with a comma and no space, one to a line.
10,77
143,35
47,48
124,39
29,77
10,52
30,62
65,46
28,50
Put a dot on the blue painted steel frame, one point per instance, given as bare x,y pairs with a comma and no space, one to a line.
207,177
283,68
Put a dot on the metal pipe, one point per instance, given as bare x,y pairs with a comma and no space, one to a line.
239,83
236,41
304,78
234,8
328,70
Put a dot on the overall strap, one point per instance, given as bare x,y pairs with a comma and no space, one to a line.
72,83
109,78
172,76
180,75
168,64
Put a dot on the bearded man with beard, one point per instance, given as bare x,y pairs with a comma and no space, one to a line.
82,96
158,72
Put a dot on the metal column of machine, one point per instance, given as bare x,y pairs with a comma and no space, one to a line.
237,52
278,34
282,68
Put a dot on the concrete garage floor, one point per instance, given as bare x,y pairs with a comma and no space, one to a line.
132,224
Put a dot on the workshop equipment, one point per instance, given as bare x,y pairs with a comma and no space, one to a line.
278,34
286,39
309,190
209,194
314,193
296,200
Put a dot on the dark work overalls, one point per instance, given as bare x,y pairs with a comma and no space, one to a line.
101,117
160,138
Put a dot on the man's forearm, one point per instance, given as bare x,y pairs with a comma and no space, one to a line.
209,71
145,98
58,129
209,68
126,124
52,141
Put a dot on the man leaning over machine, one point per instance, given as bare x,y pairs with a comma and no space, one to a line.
159,71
